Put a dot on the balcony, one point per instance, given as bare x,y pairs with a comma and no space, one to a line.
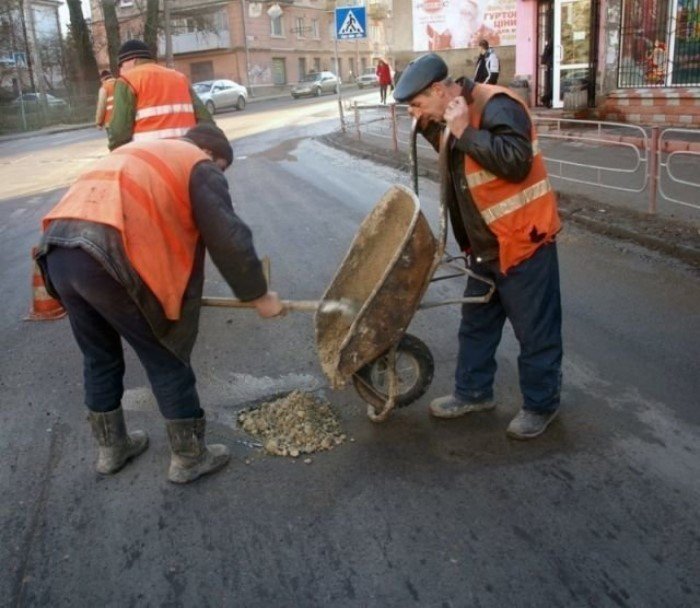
195,42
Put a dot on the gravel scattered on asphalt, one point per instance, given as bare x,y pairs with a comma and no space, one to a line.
299,423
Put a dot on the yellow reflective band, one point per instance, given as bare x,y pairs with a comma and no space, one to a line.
483,177
518,201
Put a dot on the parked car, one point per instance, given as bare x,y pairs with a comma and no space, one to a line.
220,94
368,78
315,84
32,100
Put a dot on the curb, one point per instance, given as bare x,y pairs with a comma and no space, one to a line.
576,215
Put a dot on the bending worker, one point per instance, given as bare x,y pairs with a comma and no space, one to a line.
124,252
151,101
504,215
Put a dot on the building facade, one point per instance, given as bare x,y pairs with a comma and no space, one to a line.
262,45
626,60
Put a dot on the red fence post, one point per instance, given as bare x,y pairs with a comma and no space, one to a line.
654,157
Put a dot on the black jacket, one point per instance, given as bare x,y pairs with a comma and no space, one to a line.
502,144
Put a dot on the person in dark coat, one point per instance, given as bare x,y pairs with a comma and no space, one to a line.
171,199
504,217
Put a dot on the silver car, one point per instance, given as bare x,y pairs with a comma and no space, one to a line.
315,84
367,79
220,94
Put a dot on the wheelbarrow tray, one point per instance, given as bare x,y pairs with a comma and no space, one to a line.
385,274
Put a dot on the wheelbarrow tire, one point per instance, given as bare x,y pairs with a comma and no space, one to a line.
410,350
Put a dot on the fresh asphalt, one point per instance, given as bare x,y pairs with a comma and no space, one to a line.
601,511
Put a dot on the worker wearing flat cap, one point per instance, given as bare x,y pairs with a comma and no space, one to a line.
150,100
504,217
124,251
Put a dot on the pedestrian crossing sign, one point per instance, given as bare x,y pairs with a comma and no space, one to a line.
350,22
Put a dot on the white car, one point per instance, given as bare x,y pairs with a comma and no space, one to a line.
220,94
367,79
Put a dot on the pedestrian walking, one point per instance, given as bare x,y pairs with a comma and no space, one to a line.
105,99
487,64
504,216
124,252
151,101
383,72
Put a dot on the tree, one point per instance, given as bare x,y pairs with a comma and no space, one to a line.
87,63
109,11
150,34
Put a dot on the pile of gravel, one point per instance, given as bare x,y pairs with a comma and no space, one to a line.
296,424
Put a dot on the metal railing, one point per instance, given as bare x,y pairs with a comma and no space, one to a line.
650,160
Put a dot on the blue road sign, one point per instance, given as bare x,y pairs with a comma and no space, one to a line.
350,22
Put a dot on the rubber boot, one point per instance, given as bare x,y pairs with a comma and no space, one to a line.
115,446
190,456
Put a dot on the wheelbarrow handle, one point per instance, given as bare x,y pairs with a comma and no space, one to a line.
299,305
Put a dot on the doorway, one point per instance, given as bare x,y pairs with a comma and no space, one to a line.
567,63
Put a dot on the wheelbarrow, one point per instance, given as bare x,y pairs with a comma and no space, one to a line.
390,264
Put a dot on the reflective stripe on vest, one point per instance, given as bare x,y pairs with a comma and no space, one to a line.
163,101
171,108
523,216
142,190
160,134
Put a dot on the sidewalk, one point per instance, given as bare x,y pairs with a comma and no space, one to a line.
677,238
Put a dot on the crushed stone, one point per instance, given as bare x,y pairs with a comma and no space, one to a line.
298,423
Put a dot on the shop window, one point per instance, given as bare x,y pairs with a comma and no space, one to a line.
652,52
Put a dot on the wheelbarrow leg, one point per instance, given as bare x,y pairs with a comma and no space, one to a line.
390,404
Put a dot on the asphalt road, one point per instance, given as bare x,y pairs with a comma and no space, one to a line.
601,511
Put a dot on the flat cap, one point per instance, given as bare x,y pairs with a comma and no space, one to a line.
419,74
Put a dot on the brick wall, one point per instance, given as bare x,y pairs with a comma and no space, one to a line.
668,106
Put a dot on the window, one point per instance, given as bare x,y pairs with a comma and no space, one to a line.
315,31
660,46
302,67
317,64
299,27
276,27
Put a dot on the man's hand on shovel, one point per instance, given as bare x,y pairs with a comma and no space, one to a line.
269,305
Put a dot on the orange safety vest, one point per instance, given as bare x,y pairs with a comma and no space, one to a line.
108,86
163,102
523,216
142,190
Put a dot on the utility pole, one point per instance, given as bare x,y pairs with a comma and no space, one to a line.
244,21
168,35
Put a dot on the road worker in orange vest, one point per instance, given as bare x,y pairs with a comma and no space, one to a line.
123,250
504,215
105,99
151,101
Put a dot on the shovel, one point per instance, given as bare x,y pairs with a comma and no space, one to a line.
344,306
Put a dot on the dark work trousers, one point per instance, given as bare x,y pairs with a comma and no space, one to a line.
101,312
528,296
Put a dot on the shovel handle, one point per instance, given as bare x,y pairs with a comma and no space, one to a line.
300,305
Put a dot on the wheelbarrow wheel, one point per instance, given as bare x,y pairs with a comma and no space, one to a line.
414,369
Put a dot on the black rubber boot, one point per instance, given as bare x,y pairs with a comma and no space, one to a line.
190,456
115,446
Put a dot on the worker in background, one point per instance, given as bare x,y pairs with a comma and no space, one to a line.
504,215
105,99
124,252
151,101
487,64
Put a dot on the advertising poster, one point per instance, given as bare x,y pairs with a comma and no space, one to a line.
440,25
